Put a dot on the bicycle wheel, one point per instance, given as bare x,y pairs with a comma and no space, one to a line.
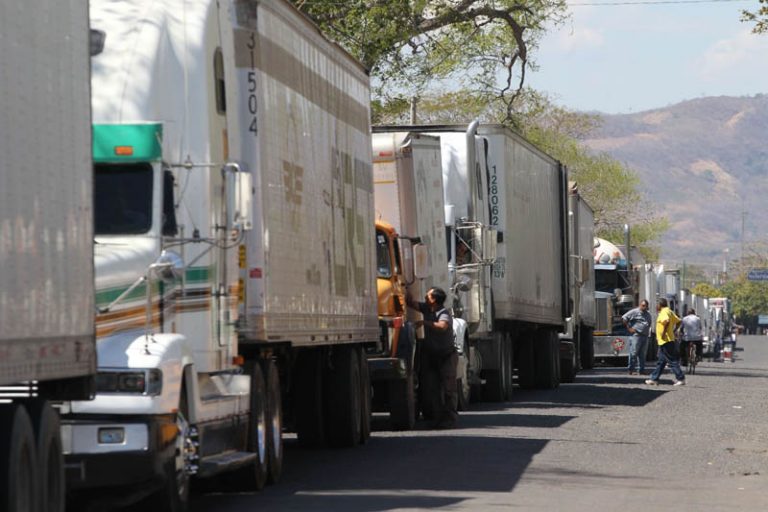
691,358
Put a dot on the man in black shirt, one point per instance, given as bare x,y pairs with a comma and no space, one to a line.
437,376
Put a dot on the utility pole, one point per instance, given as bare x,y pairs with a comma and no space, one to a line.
743,219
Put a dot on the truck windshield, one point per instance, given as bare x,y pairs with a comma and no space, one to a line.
383,262
608,280
123,198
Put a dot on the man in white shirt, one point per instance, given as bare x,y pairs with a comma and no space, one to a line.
692,333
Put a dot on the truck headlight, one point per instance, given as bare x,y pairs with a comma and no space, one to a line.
111,435
142,382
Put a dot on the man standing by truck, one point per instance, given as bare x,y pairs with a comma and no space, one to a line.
437,376
666,324
638,323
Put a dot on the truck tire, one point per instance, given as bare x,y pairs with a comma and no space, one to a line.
547,358
568,368
525,361
274,422
174,495
366,398
587,348
462,383
402,403
309,414
18,461
342,398
50,462
253,477
498,381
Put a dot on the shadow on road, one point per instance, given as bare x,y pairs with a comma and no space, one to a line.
391,473
486,416
321,502
588,393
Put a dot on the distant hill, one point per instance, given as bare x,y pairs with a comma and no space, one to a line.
702,162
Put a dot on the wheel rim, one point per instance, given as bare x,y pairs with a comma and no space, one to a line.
276,430
261,435
186,454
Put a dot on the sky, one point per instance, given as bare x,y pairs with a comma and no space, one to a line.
632,58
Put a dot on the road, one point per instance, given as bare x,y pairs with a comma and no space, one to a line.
605,442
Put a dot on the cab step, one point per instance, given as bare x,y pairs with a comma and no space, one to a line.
228,461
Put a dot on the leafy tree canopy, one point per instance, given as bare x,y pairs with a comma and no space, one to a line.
750,298
483,49
705,290
759,17
412,45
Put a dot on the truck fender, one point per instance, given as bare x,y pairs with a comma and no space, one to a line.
168,352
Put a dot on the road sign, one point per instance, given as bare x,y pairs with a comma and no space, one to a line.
762,319
758,274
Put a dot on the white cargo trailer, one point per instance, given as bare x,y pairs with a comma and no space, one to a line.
507,201
235,251
47,336
579,352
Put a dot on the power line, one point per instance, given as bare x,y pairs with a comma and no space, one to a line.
653,2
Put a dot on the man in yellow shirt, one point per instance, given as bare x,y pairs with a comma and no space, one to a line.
666,325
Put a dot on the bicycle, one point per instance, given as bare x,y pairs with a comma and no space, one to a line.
691,350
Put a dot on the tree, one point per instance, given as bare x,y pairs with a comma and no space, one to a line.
750,298
705,290
410,46
759,17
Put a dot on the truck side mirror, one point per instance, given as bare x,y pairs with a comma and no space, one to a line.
464,284
420,261
169,267
239,192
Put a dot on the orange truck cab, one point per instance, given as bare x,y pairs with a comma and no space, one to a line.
391,362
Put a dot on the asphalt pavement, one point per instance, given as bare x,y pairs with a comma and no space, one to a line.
605,442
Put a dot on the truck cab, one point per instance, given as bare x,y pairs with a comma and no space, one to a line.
392,361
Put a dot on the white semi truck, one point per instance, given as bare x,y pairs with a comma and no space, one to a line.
235,266
506,201
47,335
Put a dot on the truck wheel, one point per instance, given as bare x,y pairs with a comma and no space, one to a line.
462,383
274,422
50,462
253,477
174,496
547,357
568,368
342,398
308,411
402,403
587,349
18,464
365,391
498,381
509,359
525,361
